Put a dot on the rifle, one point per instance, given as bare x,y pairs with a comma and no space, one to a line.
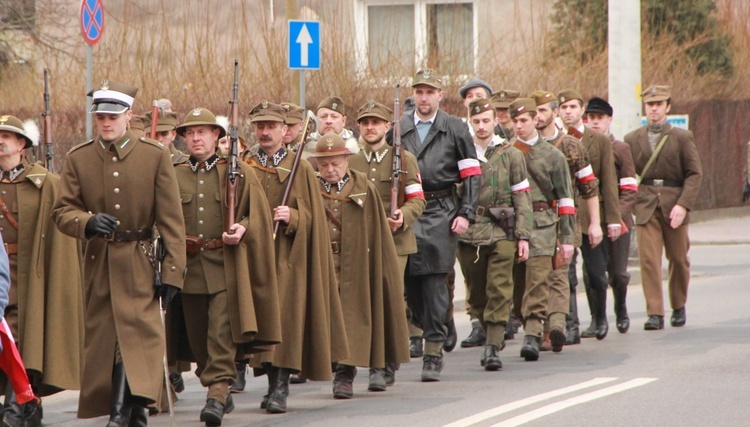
233,167
155,110
297,157
47,125
158,252
397,172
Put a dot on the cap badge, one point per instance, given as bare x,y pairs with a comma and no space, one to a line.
370,106
197,112
476,109
264,104
105,85
426,75
502,95
562,99
334,105
4,119
521,108
286,107
329,142
547,95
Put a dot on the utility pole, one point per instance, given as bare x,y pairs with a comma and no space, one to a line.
292,7
625,65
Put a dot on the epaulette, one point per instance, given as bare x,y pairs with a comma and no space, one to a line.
152,142
83,144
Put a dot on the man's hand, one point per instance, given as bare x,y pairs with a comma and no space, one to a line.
677,215
166,293
460,225
395,224
100,224
613,231
282,214
567,252
237,231
595,234
523,250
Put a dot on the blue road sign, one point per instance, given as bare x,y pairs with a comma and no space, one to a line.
304,45
92,21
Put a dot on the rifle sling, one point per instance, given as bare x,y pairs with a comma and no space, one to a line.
6,211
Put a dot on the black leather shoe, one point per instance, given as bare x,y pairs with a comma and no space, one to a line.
491,358
557,338
572,336
175,378
416,347
477,337
530,348
602,327
590,332
623,324
451,337
654,323
214,411
431,368
678,317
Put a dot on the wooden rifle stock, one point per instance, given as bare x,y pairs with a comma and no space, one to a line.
154,119
396,170
295,166
47,125
233,166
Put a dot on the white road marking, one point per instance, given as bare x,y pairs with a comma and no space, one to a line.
559,406
482,416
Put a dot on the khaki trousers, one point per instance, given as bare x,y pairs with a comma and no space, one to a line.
559,297
488,271
653,237
533,275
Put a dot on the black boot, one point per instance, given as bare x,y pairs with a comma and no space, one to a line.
477,337
530,348
272,373
213,412
621,308
277,399
175,378
572,333
451,337
138,416
600,313
28,414
591,296
119,415
239,384
416,347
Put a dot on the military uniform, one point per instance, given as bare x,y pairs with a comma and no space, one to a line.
673,178
486,251
446,156
501,100
554,218
134,180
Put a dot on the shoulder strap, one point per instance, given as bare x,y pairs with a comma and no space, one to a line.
8,214
654,155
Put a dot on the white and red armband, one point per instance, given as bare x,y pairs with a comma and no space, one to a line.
469,167
521,186
585,175
566,206
413,191
628,184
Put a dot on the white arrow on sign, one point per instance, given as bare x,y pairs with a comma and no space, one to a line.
304,40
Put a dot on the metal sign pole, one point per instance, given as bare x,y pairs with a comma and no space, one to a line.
89,86
302,89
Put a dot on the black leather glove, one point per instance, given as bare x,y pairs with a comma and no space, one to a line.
166,293
100,224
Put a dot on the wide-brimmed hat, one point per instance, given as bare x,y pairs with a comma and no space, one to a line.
330,145
15,125
112,98
200,117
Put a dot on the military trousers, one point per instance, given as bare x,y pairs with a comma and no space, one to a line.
617,265
488,271
533,274
595,261
655,236
414,330
210,336
560,294
427,297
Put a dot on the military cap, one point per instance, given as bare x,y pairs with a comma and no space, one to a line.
200,117
374,109
503,98
542,97
656,93
522,105
566,95
294,113
333,103
427,77
472,84
164,122
598,105
112,98
330,145
479,106
15,125
138,124
268,112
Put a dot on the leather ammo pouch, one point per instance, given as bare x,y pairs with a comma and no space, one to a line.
193,245
505,218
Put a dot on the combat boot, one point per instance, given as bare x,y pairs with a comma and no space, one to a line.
600,313
178,384
390,373
239,384
621,309
138,416
451,337
377,380
546,343
271,373
477,337
213,412
530,348
343,381
277,399
120,408
572,334
416,347
431,368
491,358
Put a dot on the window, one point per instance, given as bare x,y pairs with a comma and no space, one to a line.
403,35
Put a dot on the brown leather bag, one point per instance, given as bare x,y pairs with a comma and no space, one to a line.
558,259
505,218
193,245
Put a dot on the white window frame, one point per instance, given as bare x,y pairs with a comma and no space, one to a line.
361,25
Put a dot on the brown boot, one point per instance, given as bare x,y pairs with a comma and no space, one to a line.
546,343
343,381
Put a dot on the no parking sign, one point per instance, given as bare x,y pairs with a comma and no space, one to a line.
92,21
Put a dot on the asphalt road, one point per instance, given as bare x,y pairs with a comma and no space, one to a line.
697,375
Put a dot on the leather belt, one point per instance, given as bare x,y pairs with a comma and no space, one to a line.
213,244
542,206
661,183
129,235
335,247
11,248
194,244
439,194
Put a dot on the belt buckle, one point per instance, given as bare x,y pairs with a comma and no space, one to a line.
480,211
658,183
335,247
110,237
